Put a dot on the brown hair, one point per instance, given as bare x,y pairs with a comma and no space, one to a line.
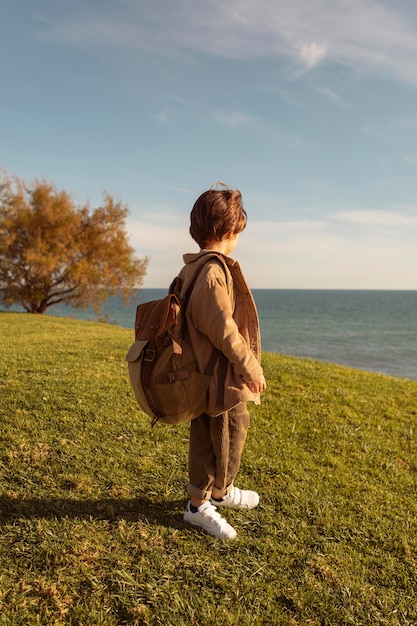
215,213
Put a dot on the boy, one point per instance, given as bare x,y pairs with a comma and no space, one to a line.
221,315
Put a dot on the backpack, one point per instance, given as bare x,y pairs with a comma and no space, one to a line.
161,362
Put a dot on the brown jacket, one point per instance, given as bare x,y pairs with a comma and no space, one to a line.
221,312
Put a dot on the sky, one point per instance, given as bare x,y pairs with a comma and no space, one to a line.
309,107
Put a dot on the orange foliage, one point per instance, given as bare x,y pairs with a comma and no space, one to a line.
53,251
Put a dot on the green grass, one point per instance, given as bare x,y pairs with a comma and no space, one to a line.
92,499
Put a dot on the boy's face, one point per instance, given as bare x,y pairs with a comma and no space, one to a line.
231,242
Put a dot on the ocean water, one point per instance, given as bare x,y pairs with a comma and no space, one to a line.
370,330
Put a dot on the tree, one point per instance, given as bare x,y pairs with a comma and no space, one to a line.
53,251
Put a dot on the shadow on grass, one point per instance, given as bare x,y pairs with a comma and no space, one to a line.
110,509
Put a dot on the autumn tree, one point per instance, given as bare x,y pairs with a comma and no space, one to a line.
53,251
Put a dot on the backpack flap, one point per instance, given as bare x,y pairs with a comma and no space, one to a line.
154,318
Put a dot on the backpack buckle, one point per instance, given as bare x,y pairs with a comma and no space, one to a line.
149,355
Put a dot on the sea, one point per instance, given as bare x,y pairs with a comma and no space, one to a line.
370,330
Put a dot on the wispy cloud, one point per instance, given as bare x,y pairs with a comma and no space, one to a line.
378,219
365,35
233,118
405,207
312,53
351,249
333,96
164,116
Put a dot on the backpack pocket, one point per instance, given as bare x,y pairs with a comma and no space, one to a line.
177,392
134,359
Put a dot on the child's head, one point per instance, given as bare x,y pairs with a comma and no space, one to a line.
216,213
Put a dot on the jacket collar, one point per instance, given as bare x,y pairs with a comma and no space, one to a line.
193,256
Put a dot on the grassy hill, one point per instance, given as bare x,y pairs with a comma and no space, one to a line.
92,499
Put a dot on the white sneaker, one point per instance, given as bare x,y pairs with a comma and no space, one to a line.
238,499
210,520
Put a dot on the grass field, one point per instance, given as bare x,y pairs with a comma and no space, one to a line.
92,499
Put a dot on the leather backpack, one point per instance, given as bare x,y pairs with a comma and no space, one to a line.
163,371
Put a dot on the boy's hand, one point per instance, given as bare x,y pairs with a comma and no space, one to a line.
258,385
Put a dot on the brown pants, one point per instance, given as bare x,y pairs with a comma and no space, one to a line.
215,451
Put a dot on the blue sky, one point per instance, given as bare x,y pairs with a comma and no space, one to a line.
309,107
